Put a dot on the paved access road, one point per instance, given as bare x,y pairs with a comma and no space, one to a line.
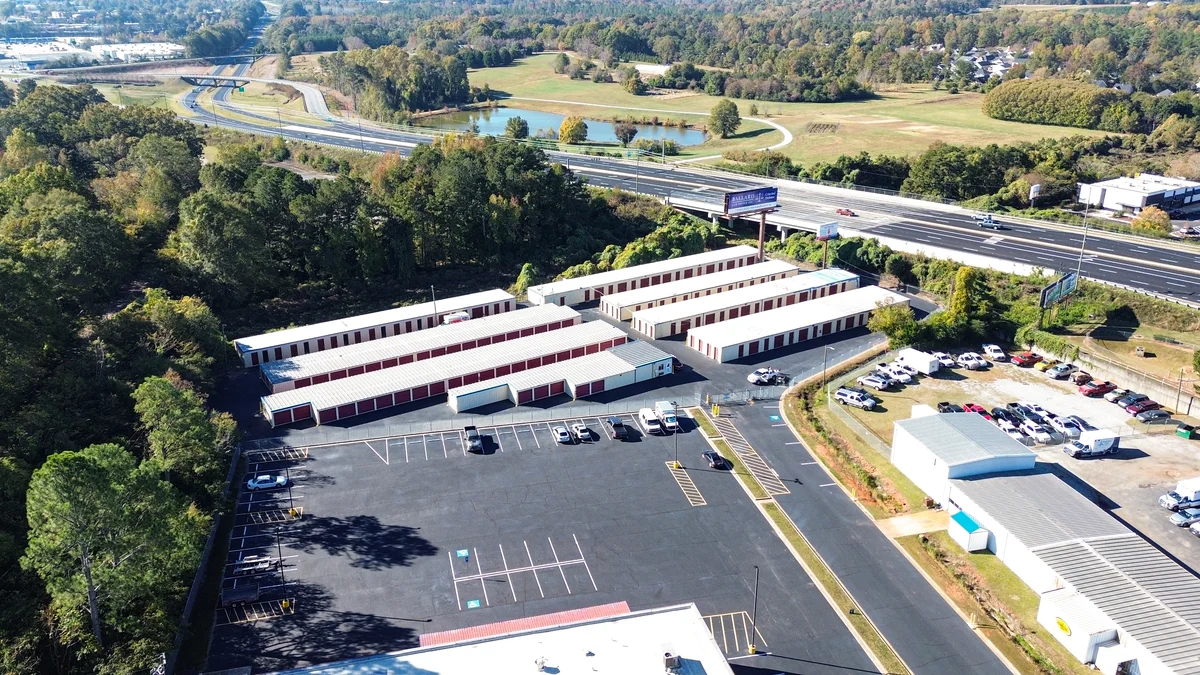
921,626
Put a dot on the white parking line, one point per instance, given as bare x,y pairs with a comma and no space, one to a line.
560,569
406,450
534,434
535,576
425,443
793,443
445,452
456,597
827,484
585,565
504,559
482,581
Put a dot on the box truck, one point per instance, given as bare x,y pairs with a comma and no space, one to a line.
666,414
1092,443
1185,495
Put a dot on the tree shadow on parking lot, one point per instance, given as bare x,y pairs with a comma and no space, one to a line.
369,543
316,633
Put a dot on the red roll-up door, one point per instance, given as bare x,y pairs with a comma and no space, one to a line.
778,341
407,358
456,382
838,326
517,367
645,282
476,312
741,351
583,390
356,370
754,348
833,289
597,386
849,322
557,388
687,274
338,375
344,411
622,287
469,345
577,352
420,392
685,325
501,371
440,351
592,349
791,299
562,356
470,378
483,342
587,295
357,339
437,388
408,326
487,374
403,396
278,353
451,349
283,417
538,330
294,350
366,406
827,329
524,396
371,334
526,332
533,363
496,308
541,392
254,358
302,413
710,318
803,296
383,402
329,415
803,335
319,379
390,363
304,382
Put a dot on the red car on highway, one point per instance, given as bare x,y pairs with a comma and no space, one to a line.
1025,359
845,212
1097,388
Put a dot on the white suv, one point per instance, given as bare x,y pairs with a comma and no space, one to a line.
994,352
854,397
875,382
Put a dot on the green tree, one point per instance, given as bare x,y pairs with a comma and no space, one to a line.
1152,219
25,87
724,119
6,96
1196,361
896,322
633,84
561,63
219,241
625,133
573,130
753,109
516,127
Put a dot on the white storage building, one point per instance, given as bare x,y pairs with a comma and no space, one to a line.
593,286
318,337
1108,595
397,350
1131,195
673,319
341,399
933,449
621,306
777,328
620,366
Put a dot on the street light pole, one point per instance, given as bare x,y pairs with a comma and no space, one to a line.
435,316
754,616
677,429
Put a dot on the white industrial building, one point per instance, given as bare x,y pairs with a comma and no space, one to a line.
345,398
1131,195
599,640
621,306
318,337
593,286
673,319
139,51
334,364
933,449
777,328
620,366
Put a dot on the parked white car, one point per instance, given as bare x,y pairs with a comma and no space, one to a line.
1067,426
1036,431
1034,407
1115,394
905,367
894,372
944,359
994,352
875,382
972,361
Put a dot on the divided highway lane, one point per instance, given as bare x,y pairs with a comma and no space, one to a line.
1106,259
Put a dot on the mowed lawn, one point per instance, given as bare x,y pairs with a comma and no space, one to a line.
903,120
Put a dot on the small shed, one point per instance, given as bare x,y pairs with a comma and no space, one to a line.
967,533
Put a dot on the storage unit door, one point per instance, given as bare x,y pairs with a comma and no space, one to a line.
344,411
778,341
754,347
283,417
557,388
525,396
583,390
541,392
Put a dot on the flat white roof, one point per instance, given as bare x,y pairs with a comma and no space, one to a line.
396,314
623,358
638,271
380,382
699,283
742,296
373,351
618,645
1146,183
799,315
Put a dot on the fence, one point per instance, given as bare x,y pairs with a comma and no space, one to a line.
742,397
857,427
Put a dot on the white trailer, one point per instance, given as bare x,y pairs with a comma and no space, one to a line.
924,362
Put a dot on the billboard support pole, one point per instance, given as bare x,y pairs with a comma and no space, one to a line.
762,233
825,256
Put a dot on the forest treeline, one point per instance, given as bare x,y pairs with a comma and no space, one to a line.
1074,103
223,37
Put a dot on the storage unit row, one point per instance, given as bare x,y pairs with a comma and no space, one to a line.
778,328
676,319
397,350
319,337
621,306
341,399
593,286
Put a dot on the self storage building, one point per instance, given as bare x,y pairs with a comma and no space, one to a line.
673,319
397,350
623,365
593,286
621,306
318,337
777,328
341,399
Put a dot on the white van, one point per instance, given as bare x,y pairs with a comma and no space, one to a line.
650,421
455,317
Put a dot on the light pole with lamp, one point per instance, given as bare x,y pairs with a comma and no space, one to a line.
824,363
679,466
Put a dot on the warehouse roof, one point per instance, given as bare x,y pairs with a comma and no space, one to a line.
378,383
799,315
727,277
637,271
743,296
1146,183
620,359
639,353
416,342
963,438
361,321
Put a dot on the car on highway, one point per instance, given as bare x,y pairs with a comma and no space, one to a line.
1142,406
1045,364
986,220
1094,388
846,212
1025,359
1156,416
944,360
977,409
948,407
1131,397
994,352
1060,371
581,432
1184,517
562,435
972,361
714,459
875,382
266,481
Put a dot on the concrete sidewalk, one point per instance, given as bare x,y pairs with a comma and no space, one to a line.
913,523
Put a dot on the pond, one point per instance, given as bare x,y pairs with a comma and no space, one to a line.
491,122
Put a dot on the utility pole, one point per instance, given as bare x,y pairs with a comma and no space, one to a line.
677,465
637,163
361,145
824,364
762,235
1179,391
435,316
280,121
753,616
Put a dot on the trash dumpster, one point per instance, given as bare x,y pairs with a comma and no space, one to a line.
1185,431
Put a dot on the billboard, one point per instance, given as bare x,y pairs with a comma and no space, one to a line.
750,201
827,231
1055,292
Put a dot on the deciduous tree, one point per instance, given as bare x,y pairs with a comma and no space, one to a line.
724,119
573,130
1152,219
625,133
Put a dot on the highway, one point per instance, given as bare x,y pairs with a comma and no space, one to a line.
1166,268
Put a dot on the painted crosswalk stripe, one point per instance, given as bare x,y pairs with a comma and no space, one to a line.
687,485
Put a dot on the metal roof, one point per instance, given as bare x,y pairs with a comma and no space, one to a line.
619,359
963,438
638,271
416,342
742,296
703,282
791,317
1147,595
361,321
381,382
1037,507
639,353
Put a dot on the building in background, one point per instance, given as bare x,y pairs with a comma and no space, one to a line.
1131,195
130,52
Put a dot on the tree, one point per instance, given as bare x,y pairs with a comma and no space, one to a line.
561,63
634,84
666,49
25,87
625,133
573,130
753,109
1152,219
896,322
724,119
516,127
219,241
6,96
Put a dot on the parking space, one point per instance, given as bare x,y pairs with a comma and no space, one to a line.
387,548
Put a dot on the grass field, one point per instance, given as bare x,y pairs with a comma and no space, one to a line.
155,96
1161,359
268,96
903,120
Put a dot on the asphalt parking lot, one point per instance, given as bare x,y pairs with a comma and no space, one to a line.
395,538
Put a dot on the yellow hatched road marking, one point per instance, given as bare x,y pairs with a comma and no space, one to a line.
258,611
685,483
733,627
